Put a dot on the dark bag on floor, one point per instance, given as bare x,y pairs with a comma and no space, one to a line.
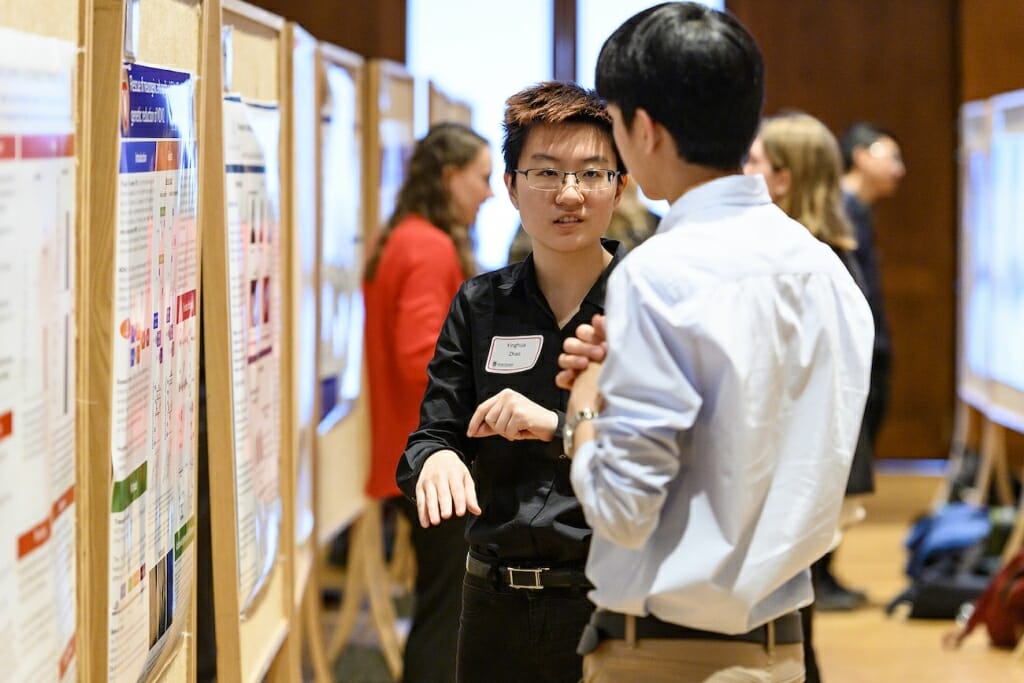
1001,606
950,561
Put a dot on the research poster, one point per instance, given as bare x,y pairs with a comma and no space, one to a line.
1006,250
251,138
976,213
155,338
341,294
37,359
992,255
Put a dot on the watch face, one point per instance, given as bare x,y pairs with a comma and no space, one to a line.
570,429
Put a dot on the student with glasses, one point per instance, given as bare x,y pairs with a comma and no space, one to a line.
489,440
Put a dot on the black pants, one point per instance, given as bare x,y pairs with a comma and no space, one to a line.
810,658
440,565
517,635
877,403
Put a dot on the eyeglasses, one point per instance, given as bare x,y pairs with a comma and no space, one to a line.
880,150
552,179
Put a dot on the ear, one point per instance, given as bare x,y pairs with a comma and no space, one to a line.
620,186
447,171
782,182
647,131
859,157
513,190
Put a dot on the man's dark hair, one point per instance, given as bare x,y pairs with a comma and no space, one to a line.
552,102
860,134
694,70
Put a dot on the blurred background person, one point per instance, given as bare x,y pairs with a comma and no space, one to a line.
873,167
872,170
422,257
800,161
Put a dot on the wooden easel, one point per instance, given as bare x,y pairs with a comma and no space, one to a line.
973,429
367,576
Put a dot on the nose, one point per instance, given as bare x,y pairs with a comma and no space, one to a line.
563,191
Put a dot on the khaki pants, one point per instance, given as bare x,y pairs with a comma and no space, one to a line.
660,660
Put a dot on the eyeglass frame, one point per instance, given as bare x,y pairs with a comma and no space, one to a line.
612,175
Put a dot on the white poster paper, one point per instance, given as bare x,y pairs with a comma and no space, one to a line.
341,272
154,363
251,135
37,361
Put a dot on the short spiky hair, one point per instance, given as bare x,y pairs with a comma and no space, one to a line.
552,102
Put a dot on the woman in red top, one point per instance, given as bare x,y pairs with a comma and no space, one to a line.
422,257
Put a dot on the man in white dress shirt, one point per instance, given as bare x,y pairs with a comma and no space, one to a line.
711,450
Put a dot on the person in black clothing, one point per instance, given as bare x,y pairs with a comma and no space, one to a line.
490,435
873,168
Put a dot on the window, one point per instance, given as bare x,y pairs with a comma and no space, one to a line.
494,54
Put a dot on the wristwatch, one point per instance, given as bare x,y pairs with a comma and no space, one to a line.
570,429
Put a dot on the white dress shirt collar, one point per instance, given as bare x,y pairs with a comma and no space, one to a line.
711,198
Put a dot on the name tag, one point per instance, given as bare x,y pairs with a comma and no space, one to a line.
513,354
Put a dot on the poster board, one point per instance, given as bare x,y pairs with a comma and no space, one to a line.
991,303
975,217
140,265
245,328
300,224
389,139
1006,301
41,298
343,434
445,108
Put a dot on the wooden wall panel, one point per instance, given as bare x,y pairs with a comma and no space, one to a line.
564,40
372,29
991,47
894,63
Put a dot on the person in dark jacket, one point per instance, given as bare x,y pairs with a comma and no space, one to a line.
873,168
490,435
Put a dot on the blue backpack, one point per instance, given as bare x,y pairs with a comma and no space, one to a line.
949,561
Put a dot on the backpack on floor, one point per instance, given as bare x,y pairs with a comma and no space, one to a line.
950,561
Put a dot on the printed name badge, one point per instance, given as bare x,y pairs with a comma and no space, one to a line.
513,354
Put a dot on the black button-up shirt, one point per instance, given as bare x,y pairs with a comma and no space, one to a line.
529,512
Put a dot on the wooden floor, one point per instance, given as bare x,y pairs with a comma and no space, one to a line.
866,646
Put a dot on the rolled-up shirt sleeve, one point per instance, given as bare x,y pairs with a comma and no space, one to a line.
621,477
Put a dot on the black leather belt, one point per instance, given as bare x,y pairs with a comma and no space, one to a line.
605,625
529,578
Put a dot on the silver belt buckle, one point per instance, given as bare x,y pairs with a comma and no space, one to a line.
534,573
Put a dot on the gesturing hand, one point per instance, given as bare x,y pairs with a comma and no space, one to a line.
589,345
445,486
513,416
